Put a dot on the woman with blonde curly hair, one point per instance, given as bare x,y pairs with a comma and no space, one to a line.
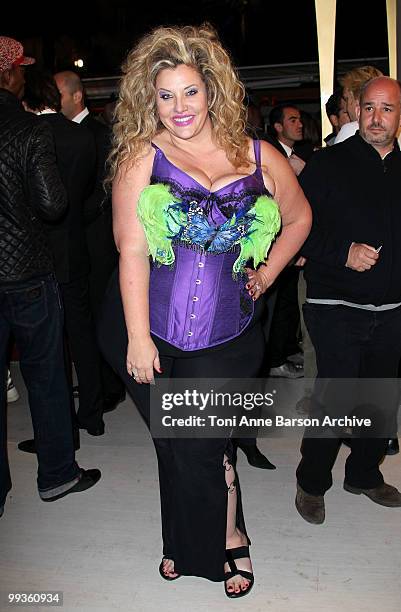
194,218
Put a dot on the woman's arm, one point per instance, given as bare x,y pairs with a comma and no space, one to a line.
296,218
142,355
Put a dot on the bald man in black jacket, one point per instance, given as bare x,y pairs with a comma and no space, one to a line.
99,232
353,303
76,159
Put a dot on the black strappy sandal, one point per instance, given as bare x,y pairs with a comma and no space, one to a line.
231,555
163,575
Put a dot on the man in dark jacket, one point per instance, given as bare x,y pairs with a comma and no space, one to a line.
353,274
76,161
282,348
99,233
30,308
75,152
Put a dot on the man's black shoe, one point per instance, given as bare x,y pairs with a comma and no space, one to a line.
310,507
111,401
88,479
384,494
93,431
28,446
288,369
256,458
393,448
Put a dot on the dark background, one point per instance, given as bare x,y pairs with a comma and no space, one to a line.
255,31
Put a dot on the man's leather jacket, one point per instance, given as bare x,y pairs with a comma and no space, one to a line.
30,191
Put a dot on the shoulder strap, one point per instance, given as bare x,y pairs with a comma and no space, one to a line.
256,149
158,154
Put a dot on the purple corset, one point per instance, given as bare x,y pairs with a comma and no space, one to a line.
197,302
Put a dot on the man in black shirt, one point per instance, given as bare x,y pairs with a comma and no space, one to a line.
353,272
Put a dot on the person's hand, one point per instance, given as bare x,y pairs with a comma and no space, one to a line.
361,257
301,261
142,359
296,163
257,283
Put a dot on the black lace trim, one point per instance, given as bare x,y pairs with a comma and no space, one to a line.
246,306
200,249
227,204
178,189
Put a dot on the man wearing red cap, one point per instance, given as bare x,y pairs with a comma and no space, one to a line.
31,192
11,58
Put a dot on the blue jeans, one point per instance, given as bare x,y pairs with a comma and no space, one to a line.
32,311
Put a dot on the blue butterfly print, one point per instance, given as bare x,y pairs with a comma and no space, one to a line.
216,239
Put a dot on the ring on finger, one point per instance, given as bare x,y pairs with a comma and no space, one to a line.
257,286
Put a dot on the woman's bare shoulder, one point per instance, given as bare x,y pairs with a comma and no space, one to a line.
141,165
269,154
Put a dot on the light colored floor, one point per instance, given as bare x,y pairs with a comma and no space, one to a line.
102,547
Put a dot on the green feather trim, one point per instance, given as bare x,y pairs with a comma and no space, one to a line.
265,224
162,219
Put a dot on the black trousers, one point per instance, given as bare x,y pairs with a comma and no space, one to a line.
103,257
349,343
285,324
269,301
193,490
84,349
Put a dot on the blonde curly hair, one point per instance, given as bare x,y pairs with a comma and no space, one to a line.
137,120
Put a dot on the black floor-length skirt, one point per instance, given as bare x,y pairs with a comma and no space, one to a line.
193,488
